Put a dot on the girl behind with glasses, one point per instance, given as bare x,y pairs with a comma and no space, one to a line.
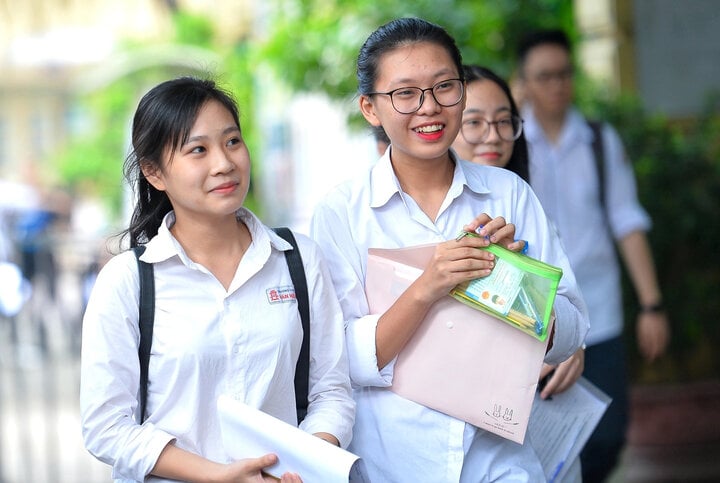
491,130
411,83
492,134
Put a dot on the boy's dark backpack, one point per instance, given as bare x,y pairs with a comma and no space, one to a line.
598,149
147,316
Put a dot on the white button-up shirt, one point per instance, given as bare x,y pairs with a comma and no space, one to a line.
402,441
243,342
564,177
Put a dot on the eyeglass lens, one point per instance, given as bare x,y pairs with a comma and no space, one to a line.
476,130
407,100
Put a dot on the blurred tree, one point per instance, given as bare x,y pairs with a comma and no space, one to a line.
678,175
93,159
313,44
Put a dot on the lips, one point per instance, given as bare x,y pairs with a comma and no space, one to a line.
490,155
225,187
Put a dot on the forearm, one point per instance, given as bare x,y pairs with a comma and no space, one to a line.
178,464
398,324
636,253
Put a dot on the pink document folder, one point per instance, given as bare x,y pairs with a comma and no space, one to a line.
460,361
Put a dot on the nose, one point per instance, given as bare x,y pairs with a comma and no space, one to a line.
222,163
428,103
493,136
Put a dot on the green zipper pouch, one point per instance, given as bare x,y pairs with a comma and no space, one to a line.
519,291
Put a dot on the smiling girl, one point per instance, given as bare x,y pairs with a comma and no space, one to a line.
217,330
411,83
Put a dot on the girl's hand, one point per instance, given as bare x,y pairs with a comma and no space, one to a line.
454,262
496,229
562,376
251,471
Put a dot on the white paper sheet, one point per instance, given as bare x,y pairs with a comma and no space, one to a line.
560,427
250,433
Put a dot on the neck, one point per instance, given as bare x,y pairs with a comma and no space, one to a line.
427,181
204,238
551,124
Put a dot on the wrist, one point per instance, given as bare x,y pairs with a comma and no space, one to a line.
651,308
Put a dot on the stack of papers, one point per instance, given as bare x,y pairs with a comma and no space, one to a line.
560,426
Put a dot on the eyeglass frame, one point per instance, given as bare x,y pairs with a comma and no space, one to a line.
422,95
563,75
491,124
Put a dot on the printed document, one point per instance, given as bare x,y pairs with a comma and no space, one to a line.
560,426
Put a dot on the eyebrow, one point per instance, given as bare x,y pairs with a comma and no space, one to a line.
406,80
226,131
482,111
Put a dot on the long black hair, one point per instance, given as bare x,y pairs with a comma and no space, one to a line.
162,123
394,34
518,162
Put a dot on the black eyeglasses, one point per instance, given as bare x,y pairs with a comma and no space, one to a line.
562,75
407,100
476,129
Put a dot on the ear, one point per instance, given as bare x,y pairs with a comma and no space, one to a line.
153,175
368,110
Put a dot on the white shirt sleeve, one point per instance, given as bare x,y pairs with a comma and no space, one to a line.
347,267
331,409
571,317
624,211
109,375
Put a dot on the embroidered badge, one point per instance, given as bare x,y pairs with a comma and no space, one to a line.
280,295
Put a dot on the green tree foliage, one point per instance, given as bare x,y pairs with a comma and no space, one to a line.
678,175
93,159
313,44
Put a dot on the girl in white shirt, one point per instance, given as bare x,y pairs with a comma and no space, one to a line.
218,327
411,83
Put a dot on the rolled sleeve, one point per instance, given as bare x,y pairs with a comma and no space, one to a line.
625,213
571,327
331,230
363,355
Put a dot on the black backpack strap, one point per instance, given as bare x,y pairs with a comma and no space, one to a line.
297,274
598,148
146,319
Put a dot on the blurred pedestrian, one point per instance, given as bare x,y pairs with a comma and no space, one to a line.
587,188
492,135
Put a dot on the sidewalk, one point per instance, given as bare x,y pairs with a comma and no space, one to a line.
40,438
674,435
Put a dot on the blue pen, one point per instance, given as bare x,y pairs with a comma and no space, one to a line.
556,472
530,310
477,230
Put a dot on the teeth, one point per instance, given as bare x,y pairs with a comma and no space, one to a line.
429,129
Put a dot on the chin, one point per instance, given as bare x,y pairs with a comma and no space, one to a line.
498,163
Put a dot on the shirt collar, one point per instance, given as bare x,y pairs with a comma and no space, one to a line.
164,245
384,182
575,127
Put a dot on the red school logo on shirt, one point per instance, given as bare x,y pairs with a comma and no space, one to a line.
278,295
